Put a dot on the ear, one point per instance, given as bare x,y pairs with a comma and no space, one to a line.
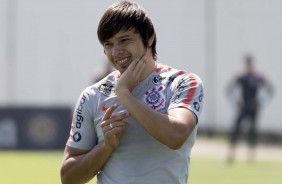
150,41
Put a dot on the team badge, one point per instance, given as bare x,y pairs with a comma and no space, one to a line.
155,98
107,88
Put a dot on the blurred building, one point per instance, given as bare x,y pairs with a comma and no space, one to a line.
48,49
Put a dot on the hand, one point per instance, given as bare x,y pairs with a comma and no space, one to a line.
132,75
113,127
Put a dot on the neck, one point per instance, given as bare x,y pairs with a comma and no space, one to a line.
150,67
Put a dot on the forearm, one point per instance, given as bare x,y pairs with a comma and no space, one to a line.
167,129
82,168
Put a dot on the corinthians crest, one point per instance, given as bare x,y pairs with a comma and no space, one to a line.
155,98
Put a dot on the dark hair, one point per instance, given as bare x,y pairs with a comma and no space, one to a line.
125,15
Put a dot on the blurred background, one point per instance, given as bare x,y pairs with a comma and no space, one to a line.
49,52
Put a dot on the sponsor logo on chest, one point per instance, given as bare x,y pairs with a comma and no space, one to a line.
107,88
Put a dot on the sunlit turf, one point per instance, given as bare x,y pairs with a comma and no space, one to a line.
216,171
42,167
30,167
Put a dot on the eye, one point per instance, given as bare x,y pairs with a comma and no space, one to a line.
124,40
107,45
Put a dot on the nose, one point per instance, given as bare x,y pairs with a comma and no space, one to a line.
117,50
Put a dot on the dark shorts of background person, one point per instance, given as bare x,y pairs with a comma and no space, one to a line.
249,113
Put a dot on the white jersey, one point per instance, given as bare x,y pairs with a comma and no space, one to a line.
140,158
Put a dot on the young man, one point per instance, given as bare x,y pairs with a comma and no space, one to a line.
250,84
138,124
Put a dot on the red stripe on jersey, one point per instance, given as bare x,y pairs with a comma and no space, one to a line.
192,89
180,72
159,68
72,129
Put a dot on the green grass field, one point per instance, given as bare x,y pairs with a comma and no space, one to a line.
215,171
42,167
30,167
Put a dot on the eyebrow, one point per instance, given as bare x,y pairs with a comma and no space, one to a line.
120,37
124,36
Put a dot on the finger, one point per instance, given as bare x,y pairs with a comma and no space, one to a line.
119,135
109,112
114,125
119,115
132,65
139,68
136,61
115,131
124,111
143,57
119,124
114,118
104,124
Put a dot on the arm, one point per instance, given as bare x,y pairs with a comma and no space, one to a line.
171,129
232,85
233,92
80,166
269,87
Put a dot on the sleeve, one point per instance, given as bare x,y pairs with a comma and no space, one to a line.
82,133
188,93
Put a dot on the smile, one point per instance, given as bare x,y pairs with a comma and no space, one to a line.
124,62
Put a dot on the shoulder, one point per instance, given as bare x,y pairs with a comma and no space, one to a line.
188,80
179,80
168,71
105,86
177,75
162,68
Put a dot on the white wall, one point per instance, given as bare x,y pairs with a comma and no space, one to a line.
2,51
57,48
56,51
248,26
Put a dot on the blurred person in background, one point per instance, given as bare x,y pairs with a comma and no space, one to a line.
249,91
139,123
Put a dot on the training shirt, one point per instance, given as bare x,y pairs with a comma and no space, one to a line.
140,158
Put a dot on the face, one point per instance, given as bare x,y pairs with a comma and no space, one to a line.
123,48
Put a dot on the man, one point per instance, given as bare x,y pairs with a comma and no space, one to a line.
250,84
138,124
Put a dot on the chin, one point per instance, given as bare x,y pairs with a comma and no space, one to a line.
122,70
